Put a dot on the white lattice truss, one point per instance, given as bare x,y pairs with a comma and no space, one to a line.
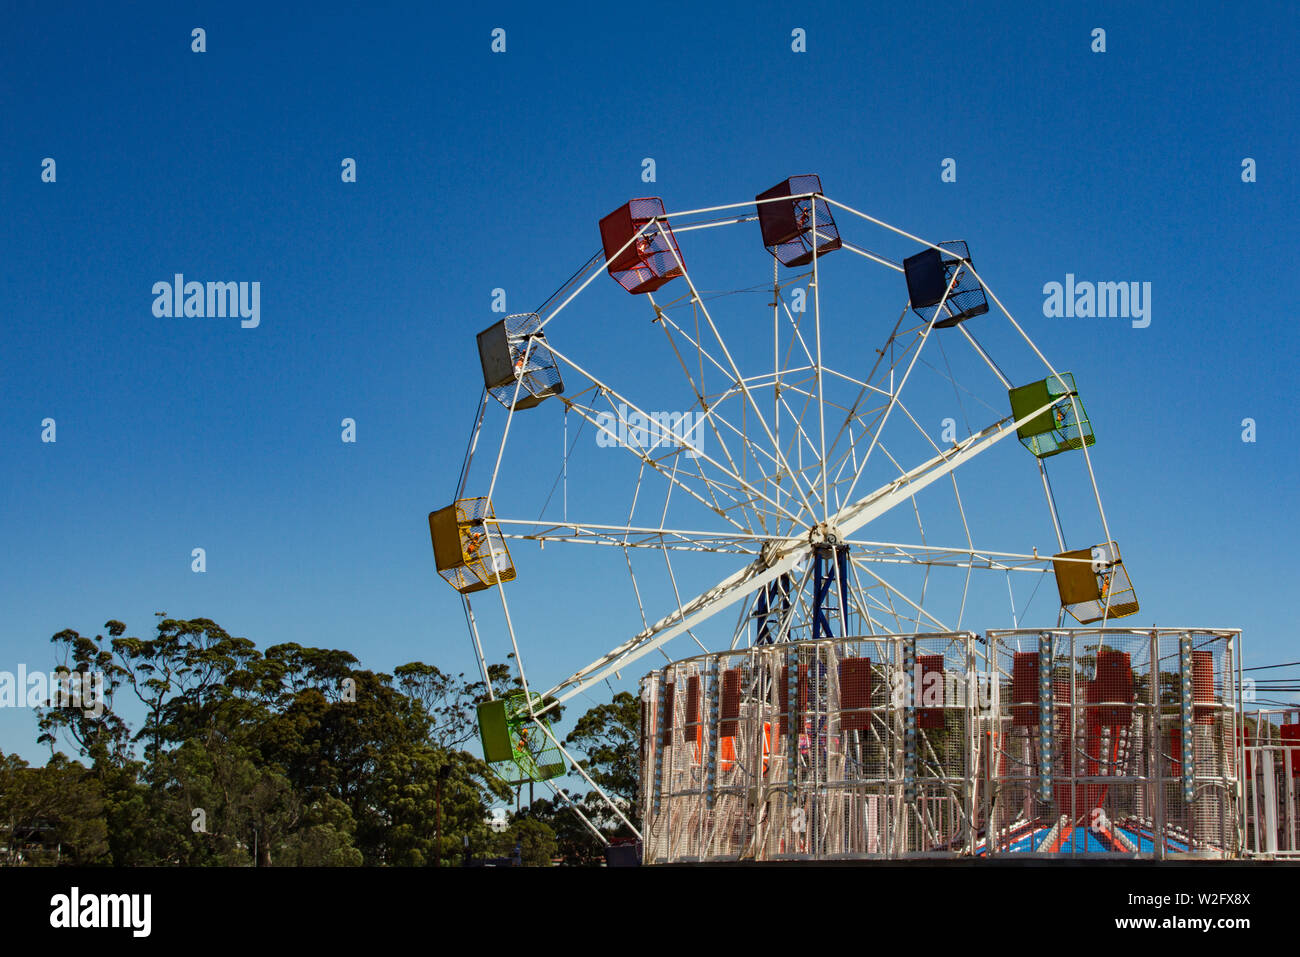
787,447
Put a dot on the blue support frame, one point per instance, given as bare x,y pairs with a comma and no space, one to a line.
772,605
823,584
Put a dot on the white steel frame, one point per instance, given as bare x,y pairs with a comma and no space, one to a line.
1272,792
781,473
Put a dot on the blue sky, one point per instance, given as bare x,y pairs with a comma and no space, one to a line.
478,170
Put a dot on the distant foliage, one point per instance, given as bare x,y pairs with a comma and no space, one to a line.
292,756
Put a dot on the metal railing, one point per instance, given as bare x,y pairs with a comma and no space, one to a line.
1272,782
1057,743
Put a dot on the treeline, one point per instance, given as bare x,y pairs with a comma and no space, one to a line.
292,756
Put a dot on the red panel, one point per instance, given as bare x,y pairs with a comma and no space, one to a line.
855,693
1024,689
1113,685
692,701
693,728
1291,732
729,725
930,693
1203,687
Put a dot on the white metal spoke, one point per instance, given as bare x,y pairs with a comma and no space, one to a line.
766,463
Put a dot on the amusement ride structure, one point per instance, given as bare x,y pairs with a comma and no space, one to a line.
799,557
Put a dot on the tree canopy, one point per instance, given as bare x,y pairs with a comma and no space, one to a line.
292,756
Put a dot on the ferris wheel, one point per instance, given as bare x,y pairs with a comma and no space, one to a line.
772,453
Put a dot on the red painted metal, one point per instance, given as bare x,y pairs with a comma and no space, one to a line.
930,691
652,258
855,693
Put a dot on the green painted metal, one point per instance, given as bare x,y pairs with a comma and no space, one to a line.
1058,429
493,731
515,747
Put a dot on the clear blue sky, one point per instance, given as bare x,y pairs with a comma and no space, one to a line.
478,170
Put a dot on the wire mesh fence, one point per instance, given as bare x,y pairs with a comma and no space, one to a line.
1270,740
1055,743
